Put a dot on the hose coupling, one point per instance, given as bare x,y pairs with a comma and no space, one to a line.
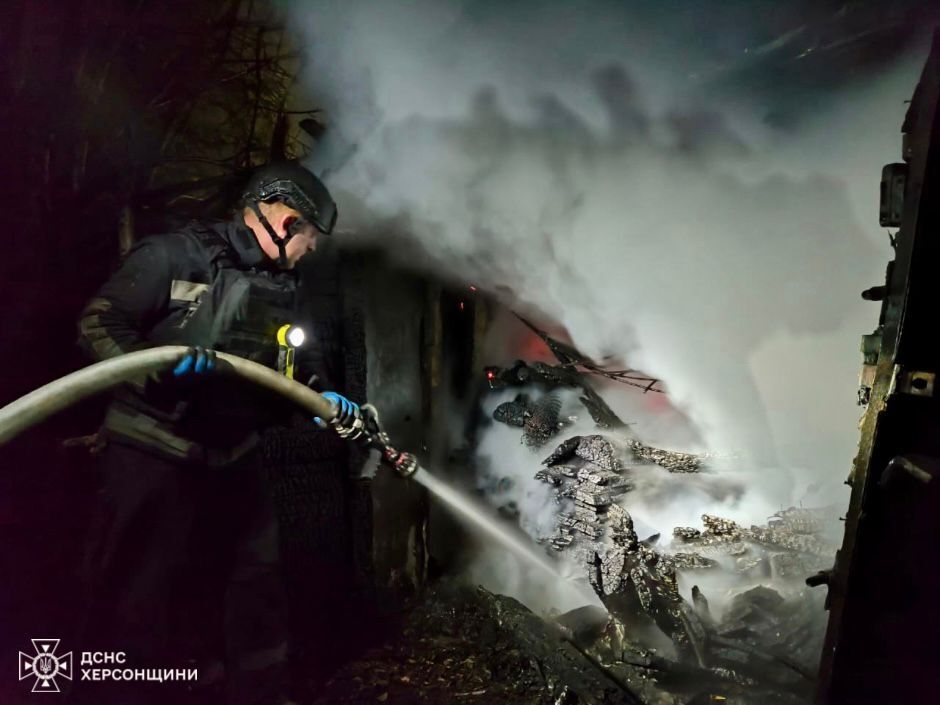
404,464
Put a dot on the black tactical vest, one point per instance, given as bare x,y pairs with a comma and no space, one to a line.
225,308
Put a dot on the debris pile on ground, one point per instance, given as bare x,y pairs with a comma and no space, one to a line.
762,647
791,546
463,644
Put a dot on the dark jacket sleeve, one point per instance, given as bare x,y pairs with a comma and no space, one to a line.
136,296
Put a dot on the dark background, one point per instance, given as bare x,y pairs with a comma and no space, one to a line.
118,119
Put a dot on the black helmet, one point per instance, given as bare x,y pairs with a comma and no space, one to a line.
296,185
288,181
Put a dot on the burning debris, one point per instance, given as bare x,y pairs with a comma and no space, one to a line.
551,378
539,420
751,647
631,578
791,546
762,647
586,470
673,461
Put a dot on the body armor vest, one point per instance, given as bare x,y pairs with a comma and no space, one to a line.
239,312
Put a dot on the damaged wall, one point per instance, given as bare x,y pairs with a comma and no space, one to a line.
395,315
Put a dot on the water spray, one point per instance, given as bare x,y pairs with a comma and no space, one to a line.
406,465
370,432
475,514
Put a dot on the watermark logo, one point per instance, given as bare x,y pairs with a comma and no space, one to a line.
45,665
104,666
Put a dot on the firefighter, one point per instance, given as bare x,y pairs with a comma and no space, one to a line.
182,446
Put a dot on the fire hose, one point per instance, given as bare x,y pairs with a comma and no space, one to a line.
62,393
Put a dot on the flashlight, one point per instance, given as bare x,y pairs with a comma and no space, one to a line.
289,337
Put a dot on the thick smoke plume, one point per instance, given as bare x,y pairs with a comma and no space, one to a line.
576,160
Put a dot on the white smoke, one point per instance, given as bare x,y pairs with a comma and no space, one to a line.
571,159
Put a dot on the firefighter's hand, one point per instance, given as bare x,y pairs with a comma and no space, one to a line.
198,361
165,386
348,418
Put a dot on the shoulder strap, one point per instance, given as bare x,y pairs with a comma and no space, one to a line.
219,251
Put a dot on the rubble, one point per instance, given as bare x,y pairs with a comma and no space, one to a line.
587,473
673,461
761,649
551,378
685,533
628,575
542,423
539,420
692,561
464,644
513,413
790,547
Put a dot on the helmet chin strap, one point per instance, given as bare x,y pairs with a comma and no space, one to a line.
280,243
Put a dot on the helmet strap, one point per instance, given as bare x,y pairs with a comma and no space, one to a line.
280,243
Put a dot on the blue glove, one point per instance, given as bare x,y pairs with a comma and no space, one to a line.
347,412
197,361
